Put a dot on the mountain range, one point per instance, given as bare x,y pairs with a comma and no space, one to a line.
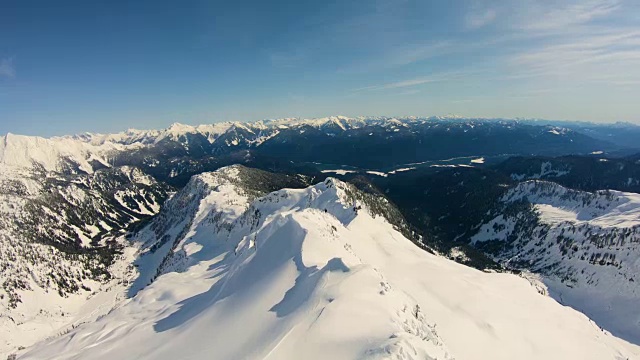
370,238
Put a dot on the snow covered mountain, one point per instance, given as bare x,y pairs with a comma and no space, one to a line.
317,273
586,247
90,224
55,154
229,189
60,243
180,151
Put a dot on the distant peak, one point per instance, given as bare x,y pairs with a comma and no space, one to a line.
179,127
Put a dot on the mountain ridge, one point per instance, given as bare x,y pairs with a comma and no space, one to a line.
108,198
306,268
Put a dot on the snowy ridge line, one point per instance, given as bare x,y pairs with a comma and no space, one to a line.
302,271
241,208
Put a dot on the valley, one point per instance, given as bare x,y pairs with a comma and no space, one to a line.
138,237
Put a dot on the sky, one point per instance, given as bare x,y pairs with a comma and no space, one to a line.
105,66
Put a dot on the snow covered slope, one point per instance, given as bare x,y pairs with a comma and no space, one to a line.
60,253
214,198
585,245
319,273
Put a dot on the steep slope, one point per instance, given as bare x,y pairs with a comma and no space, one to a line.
585,245
319,273
59,245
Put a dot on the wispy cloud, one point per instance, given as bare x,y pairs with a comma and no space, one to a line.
413,82
543,42
398,84
612,56
478,19
575,41
413,53
7,69
541,15
400,55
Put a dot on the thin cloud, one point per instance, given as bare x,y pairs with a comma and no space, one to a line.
477,20
411,54
412,82
578,41
401,55
399,84
613,56
568,41
537,16
7,69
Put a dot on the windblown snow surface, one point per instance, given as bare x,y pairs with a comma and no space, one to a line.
300,274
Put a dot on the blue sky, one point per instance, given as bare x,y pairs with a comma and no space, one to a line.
105,66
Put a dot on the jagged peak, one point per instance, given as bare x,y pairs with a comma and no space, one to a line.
178,125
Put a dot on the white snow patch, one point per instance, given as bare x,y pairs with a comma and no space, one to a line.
450,165
401,170
339,171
